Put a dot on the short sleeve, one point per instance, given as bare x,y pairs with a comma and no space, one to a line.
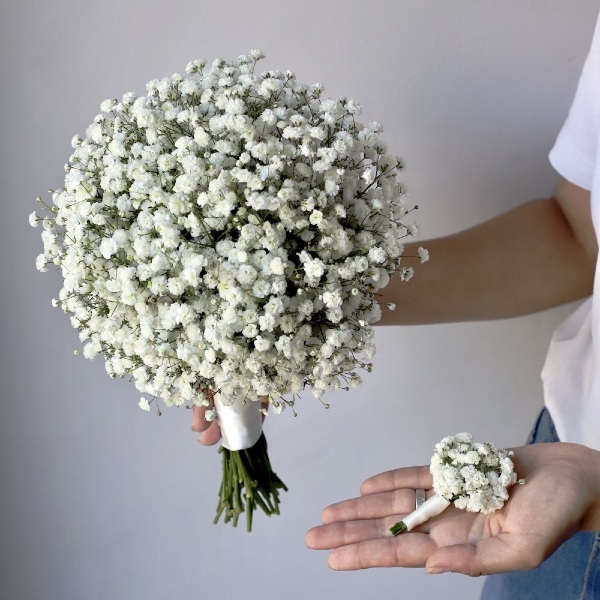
575,150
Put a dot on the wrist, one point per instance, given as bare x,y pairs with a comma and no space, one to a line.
591,520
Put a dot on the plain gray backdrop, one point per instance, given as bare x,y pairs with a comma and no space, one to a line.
101,501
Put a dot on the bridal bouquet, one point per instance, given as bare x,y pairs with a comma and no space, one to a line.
222,239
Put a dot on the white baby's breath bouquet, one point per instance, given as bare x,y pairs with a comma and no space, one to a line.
226,235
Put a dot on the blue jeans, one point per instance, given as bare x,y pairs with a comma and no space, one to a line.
571,573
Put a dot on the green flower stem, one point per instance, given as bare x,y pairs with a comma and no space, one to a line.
398,528
248,482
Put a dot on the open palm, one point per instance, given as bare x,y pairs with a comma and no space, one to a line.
558,499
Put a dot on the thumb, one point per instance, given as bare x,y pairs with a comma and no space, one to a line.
485,557
457,559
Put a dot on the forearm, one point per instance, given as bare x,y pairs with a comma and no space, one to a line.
523,261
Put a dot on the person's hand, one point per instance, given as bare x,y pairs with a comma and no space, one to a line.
560,497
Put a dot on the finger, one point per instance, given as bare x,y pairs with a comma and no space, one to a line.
199,422
406,477
210,436
371,506
210,432
341,533
408,550
334,535
506,552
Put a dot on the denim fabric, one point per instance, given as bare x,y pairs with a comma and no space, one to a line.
571,573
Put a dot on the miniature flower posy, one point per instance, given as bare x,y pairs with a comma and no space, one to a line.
228,231
474,476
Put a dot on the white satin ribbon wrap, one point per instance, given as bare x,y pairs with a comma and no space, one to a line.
429,509
241,424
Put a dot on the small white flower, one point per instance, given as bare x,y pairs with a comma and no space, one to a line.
406,273
210,414
262,344
108,247
277,266
353,107
144,404
166,162
332,299
413,229
367,176
195,66
423,254
250,330
377,255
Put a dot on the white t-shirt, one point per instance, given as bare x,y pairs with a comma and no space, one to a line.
571,374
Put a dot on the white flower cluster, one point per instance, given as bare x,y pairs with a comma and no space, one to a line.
227,231
473,476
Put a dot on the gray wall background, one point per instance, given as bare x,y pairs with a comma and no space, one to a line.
102,501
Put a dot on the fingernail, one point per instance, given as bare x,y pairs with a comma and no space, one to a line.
436,570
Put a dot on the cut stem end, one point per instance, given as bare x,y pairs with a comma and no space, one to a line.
398,528
248,482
